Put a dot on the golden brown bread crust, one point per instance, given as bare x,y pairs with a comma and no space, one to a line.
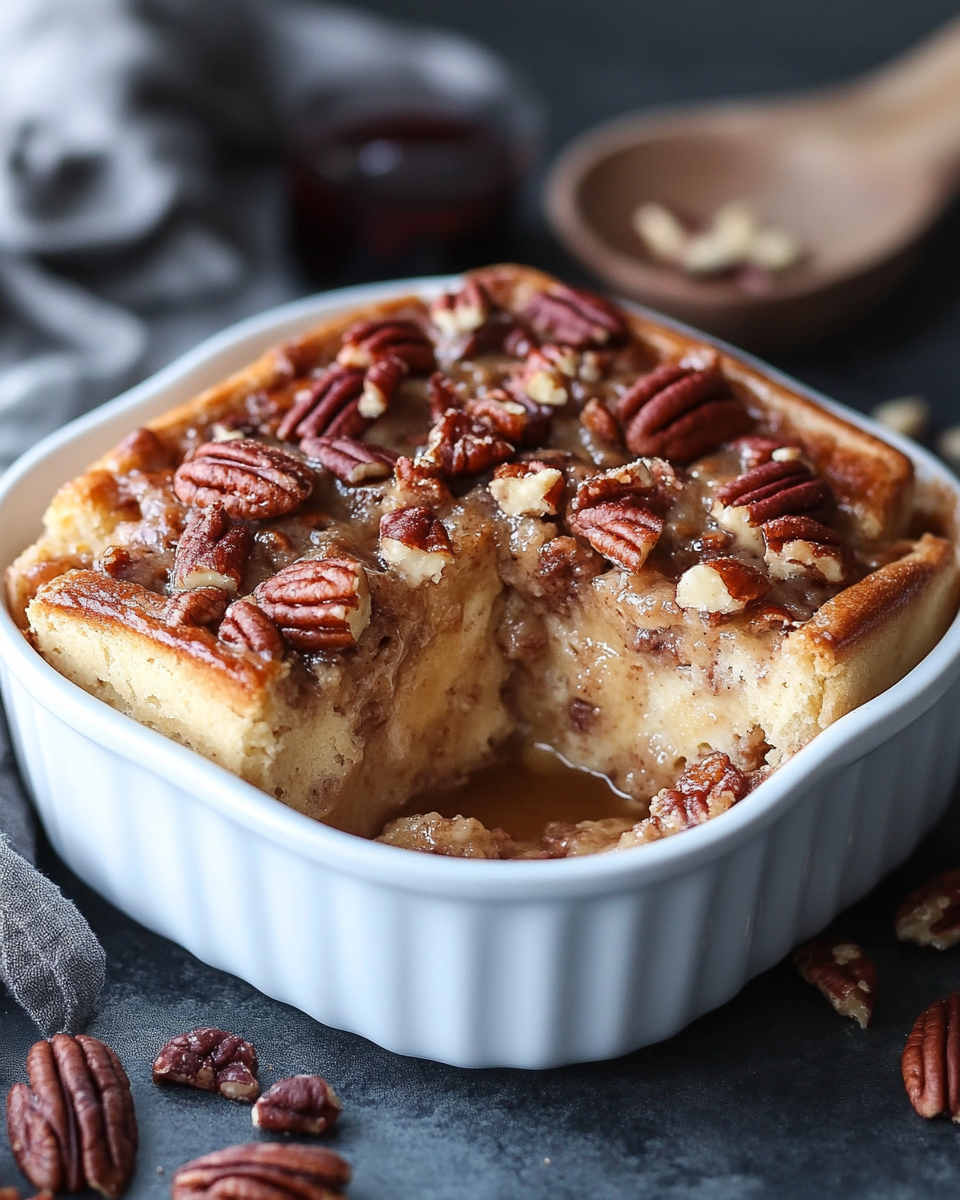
781,690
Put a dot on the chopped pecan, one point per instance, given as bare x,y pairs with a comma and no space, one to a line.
801,546
528,489
931,1059
721,585
298,1104
505,416
562,565
251,480
329,406
248,626
547,373
648,483
705,790
380,382
318,603
142,450
212,1060
351,461
456,313
930,915
600,421
416,542
754,450
212,551
843,973
443,395
574,317
135,564
419,483
263,1171
620,530
198,606
680,413
454,837
774,489
368,341
460,445
518,341
74,1126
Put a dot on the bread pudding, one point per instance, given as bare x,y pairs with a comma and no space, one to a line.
429,536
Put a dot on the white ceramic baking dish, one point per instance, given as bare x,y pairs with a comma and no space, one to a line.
525,964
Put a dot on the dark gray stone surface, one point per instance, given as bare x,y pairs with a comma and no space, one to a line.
772,1095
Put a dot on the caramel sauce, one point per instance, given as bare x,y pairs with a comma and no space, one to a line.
526,791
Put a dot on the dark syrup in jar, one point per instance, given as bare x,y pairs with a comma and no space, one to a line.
397,193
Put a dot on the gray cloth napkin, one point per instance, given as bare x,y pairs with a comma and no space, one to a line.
123,241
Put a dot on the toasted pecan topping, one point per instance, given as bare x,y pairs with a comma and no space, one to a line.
620,530
74,1126
379,384
461,312
368,341
721,585
442,394
351,461
931,1059
460,445
706,789
680,413
252,481
416,542
648,483
199,606
329,406
843,973
212,1060
547,373
799,546
574,317
777,489
263,1171
930,915
318,603
419,483
248,626
528,489
503,414
212,551
601,422
754,450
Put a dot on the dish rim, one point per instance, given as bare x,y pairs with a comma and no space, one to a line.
848,739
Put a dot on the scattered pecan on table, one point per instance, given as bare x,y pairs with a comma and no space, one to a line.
74,1126
930,915
212,1060
298,1104
253,481
931,1059
843,974
263,1171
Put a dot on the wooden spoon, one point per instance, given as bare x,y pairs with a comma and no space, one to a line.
857,174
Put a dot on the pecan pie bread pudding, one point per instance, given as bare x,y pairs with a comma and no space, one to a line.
360,569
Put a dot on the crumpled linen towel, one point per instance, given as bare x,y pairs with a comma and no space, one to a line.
114,115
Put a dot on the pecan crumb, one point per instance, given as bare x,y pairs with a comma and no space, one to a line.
212,1060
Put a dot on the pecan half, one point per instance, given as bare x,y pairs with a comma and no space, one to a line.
351,461
199,606
621,531
248,626
212,1060
318,603
774,489
931,1059
800,546
263,1171
212,551
74,1126
844,975
416,542
455,313
528,489
442,395
930,915
330,405
368,341
379,384
721,585
460,445
418,483
135,564
298,1104
680,413
706,789
754,450
575,317
253,481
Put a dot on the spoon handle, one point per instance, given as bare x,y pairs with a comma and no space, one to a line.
911,106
